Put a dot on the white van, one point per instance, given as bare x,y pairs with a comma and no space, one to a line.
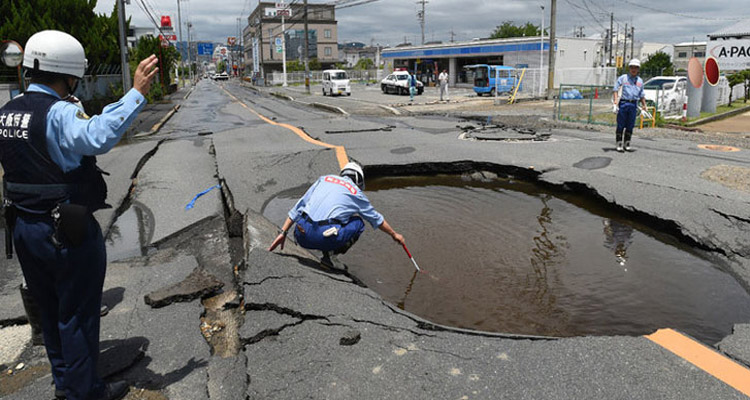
336,81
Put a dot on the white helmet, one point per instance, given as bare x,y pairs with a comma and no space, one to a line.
56,52
354,171
634,63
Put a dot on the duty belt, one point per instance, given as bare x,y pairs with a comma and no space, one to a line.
629,101
330,221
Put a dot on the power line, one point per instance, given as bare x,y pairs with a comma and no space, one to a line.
677,14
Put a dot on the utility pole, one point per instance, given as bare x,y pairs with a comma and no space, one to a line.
307,54
617,45
179,40
189,57
541,53
283,46
126,85
625,46
551,63
632,41
453,35
611,33
421,16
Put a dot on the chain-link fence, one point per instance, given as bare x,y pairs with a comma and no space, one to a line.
591,104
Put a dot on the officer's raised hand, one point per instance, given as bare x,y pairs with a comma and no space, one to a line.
145,74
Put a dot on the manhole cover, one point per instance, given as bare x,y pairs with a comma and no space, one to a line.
593,163
716,147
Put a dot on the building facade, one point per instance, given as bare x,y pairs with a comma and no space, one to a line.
526,52
683,52
264,28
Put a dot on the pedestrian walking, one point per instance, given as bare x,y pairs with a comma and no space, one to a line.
412,87
52,186
329,217
628,92
443,80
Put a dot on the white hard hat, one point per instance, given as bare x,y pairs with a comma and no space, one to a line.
634,63
56,52
354,171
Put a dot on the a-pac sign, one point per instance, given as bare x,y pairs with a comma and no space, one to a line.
731,54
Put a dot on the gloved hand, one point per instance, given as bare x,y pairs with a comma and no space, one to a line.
615,108
645,114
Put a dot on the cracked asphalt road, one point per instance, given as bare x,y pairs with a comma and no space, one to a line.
303,332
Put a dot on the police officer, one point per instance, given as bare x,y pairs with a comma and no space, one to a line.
628,92
52,184
329,216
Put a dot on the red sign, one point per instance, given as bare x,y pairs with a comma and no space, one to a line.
331,179
166,21
168,37
223,51
231,40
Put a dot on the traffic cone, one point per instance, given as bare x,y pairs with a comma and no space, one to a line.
596,93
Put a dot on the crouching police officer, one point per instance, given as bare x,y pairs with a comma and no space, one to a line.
52,185
628,92
329,216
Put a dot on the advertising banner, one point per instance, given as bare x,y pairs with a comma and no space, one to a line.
732,55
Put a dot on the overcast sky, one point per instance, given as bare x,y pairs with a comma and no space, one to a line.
388,22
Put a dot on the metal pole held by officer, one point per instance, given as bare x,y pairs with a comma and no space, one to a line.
628,92
48,150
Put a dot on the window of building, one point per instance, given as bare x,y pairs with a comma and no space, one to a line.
327,33
682,54
328,52
699,54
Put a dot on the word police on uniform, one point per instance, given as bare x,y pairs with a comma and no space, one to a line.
15,125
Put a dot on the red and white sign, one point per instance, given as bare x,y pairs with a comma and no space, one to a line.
337,181
280,5
223,51
232,40
172,38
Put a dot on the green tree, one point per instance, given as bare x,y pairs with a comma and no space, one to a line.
295,66
364,63
168,57
658,63
315,65
509,30
221,66
19,19
734,80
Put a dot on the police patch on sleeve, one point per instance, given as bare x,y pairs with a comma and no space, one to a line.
82,115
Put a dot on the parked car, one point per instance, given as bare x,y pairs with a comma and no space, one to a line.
488,78
398,83
668,92
336,81
221,76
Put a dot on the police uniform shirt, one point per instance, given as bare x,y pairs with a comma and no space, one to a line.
335,197
632,88
71,134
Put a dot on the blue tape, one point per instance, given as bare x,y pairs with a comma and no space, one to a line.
192,202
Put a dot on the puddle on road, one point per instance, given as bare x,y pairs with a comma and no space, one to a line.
506,256
131,234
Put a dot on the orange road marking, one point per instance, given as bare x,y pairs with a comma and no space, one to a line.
341,156
705,358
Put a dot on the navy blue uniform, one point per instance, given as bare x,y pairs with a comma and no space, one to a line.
46,150
632,93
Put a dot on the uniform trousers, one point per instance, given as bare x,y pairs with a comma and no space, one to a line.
67,285
310,234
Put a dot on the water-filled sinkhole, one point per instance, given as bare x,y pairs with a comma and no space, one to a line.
508,256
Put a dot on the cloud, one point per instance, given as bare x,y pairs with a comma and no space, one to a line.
389,21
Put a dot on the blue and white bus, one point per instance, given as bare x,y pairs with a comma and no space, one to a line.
488,78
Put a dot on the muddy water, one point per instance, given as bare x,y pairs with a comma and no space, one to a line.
131,234
505,256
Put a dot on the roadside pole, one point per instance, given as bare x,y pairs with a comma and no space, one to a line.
126,84
283,43
541,54
307,55
551,64
179,40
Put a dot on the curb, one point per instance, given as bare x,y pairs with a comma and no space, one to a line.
718,117
189,93
390,109
329,107
282,96
158,125
250,86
